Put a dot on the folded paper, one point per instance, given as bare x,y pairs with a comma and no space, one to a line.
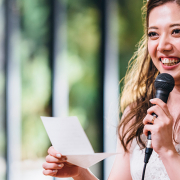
68,137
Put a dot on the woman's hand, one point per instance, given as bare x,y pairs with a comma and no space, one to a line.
162,128
56,165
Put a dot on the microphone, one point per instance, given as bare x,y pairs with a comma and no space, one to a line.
164,84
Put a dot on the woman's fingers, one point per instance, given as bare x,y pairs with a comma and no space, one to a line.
162,112
50,172
52,166
56,165
160,108
52,152
66,170
51,159
149,119
148,127
157,110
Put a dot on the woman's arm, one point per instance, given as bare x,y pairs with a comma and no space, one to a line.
171,161
121,167
85,174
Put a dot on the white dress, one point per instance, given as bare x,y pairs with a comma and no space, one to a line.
155,169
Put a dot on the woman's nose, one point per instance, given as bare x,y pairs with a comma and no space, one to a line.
164,44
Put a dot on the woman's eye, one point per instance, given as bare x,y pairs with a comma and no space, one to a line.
176,31
152,34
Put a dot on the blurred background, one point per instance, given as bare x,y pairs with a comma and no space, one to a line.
61,58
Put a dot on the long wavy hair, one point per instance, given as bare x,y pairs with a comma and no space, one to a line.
138,85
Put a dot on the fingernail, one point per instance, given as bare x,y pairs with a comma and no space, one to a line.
58,155
151,100
55,171
60,165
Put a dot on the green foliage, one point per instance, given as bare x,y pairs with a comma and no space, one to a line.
35,98
34,21
131,30
83,47
36,76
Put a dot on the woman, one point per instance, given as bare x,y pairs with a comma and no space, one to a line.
159,52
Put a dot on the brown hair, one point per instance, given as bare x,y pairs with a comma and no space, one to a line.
138,85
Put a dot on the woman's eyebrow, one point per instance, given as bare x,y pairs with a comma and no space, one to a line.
152,27
174,25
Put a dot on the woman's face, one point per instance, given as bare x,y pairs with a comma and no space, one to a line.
164,38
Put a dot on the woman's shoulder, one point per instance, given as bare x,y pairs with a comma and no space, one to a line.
128,110
125,122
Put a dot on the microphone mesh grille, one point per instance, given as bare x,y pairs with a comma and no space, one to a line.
164,81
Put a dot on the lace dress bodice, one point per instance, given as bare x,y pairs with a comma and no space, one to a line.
155,169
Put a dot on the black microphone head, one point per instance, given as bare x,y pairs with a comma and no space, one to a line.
165,82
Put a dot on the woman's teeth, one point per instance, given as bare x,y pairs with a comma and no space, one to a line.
170,62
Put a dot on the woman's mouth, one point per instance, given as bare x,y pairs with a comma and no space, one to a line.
170,61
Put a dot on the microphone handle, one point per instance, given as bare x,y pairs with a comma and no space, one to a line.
149,149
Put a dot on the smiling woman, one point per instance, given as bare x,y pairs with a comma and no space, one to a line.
161,55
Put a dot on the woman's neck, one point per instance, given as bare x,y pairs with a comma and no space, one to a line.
174,102
174,96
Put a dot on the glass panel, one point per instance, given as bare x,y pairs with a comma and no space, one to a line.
36,86
2,97
84,64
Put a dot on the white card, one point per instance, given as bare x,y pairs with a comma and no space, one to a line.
68,137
